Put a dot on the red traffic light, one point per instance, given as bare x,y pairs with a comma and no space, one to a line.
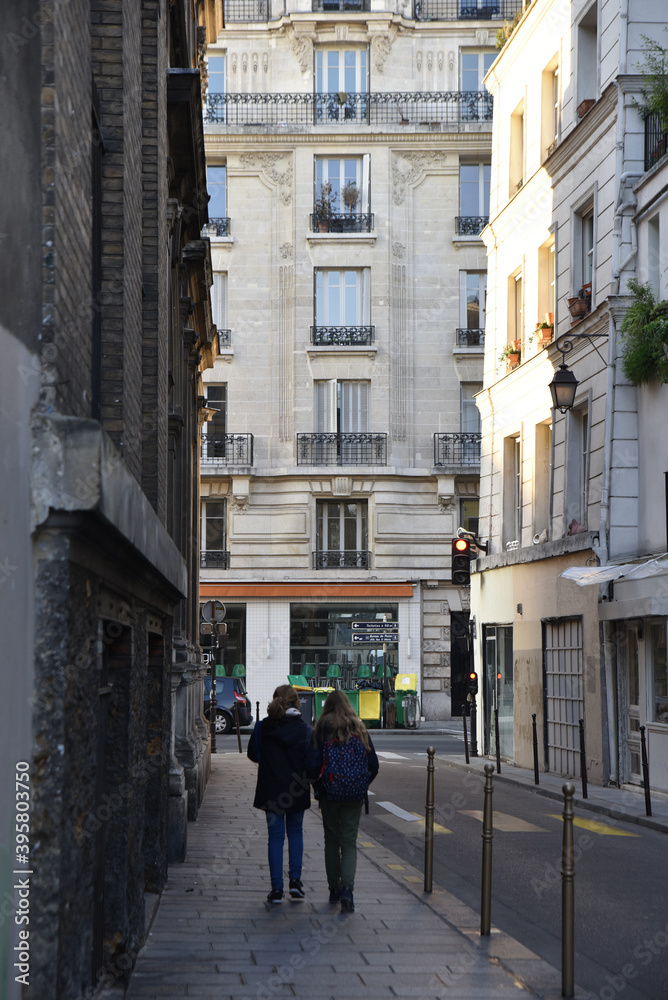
461,545
461,562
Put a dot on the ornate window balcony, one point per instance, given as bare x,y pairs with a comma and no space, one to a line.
466,10
454,107
214,560
342,336
358,222
227,449
217,227
347,559
246,11
325,448
457,450
468,337
470,225
656,140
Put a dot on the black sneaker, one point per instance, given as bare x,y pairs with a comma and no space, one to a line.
275,896
296,889
334,895
347,905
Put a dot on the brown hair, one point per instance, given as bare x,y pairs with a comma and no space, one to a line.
285,697
339,720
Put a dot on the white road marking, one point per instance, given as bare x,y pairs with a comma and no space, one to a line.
388,755
505,823
398,811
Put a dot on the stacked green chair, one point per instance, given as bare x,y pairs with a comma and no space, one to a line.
363,671
310,673
334,675
239,670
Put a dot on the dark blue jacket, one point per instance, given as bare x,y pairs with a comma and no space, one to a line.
315,754
282,786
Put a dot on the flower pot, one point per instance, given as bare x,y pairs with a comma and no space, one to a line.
512,360
585,106
544,335
549,319
516,345
323,225
578,307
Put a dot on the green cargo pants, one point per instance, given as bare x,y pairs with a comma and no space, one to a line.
340,821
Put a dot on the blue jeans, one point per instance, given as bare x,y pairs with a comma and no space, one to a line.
277,825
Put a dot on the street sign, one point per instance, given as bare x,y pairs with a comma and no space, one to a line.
375,626
213,611
375,637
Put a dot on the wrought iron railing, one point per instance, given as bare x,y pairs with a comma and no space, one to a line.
656,140
458,449
322,448
466,10
228,449
246,10
217,227
342,336
224,338
341,560
470,337
350,6
358,222
470,225
452,107
214,560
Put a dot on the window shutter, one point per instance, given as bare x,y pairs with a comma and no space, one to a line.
366,189
365,312
218,300
354,407
325,406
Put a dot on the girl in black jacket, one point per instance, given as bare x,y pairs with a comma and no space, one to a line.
278,745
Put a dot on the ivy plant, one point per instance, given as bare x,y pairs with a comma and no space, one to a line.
645,337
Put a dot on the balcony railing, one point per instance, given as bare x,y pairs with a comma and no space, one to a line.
461,449
246,10
224,338
453,107
342,336
214,560
358,222
217,227
322,448
466,10
341,560
350,6
470,225
470,337
656,140
227,449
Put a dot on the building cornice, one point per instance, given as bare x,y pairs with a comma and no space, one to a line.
220,142
573,144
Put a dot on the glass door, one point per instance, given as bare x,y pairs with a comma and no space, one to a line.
498,690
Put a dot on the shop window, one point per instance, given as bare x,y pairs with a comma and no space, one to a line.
322,634
659,676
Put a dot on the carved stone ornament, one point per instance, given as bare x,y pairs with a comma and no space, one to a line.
266,163
380,48
418,61
398,250
286,251
240,503
302,46
421,163
446,504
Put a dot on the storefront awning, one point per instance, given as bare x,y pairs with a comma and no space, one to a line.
585,576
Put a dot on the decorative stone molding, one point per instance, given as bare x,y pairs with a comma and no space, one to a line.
481,36
421,163
418,61
286,251
241,489
341,486
380,48
446,494
302,46
398,250
266,163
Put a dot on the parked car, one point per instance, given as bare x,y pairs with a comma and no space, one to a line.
230,691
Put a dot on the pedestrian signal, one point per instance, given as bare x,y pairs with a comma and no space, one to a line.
461,562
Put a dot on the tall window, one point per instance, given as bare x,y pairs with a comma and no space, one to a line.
219,299
344,173
516,170
342,534
542,472
474,190
587,243
216,80
512,490
658,671
549,112
341,70
517,488
469,514
470,414
472,300
473,67
546,283
341,406
217,187
216,399
213,534
587,57
577,471
342,297
654,256
515,307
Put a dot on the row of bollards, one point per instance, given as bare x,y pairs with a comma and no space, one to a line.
567,866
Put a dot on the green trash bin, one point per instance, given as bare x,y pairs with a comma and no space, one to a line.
354,699
319,695
405,689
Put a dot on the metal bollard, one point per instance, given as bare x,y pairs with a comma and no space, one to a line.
429,823
487,834
645,772
498,745
474,727
583,759
257,711
236,719
466,738
535,749
567,899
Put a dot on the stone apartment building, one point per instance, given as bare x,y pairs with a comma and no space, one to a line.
105,329
567,495
348,151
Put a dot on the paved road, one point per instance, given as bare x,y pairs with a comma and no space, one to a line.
621,911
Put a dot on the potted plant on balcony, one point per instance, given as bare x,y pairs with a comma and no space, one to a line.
323,208
580,304
544,333
350,195
511,354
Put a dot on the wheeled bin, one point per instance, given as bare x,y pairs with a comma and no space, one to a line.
370,707
319,696
405,689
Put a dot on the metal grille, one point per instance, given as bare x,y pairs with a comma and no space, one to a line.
564,694
341,449
457,449
470,225
358,222
217,227
342,336
341,560
456,107
214,560
466,10
323,6
656,140
224,338
468,337
246,10
228,449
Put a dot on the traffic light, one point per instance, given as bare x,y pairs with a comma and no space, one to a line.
461,562
472,683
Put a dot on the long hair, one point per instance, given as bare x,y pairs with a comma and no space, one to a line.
339,720
285,697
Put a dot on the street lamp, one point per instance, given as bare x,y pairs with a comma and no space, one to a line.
563,387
